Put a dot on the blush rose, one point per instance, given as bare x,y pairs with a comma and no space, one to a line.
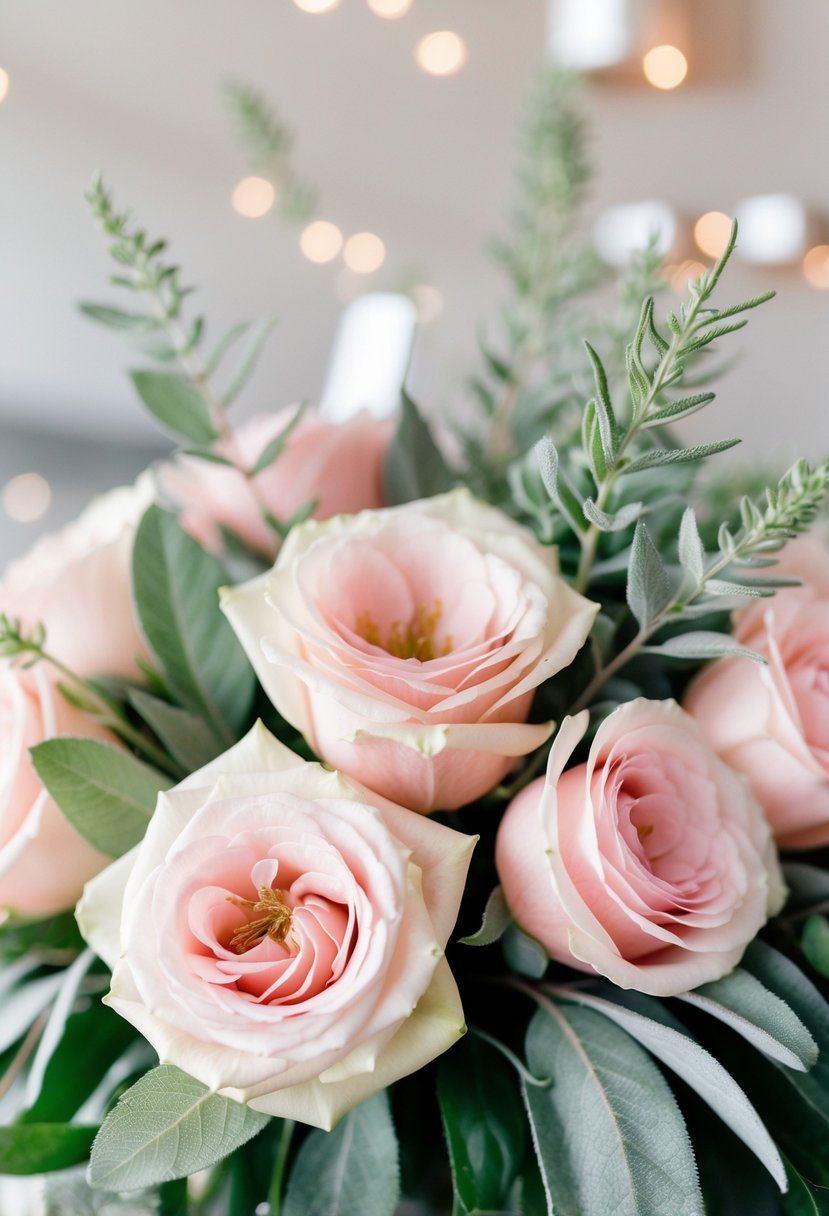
282,933
650,864
406,644
772,722
77,584
338,465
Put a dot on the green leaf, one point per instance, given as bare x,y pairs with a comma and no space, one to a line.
761,1017
815,943
176,588
352,1169
608,427
677,410
186,736
657,457
668,1040
495,920
691,552
249,359
648,589
523,953
177,403
276,447
39,1148
805,1198
703,644
808,886
616,522
785,979
608,1133
105,793
166,1126
414,466
484,1124
23,1004
557,485
117,318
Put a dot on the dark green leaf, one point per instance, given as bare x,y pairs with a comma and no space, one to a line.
187,737
608,1133
414,466
177,403
484,1124
39,1148
166,1126
105,793
352,1169
815,943
523,953
176,588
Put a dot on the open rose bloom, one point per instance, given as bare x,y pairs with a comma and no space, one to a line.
650,864
77,584
339,467
772,722
282,933
407,644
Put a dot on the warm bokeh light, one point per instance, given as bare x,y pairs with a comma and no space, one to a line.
441,53
816,267
27,497
316,6
428,301
711,232
364,252
679,276
389,8
321,241
253,197
4,83
665,67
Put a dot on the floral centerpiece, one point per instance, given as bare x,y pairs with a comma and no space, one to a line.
380,828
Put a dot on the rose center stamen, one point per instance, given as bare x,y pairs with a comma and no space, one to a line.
275,923
415,640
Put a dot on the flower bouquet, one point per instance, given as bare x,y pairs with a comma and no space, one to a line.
388,832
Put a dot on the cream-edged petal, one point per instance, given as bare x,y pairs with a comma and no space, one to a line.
503,738
100,908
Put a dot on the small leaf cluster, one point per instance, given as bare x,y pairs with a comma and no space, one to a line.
268,143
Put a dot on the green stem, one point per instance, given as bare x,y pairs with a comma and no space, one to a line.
280,1162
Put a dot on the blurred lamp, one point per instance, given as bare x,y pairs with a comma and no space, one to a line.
370,357
627,229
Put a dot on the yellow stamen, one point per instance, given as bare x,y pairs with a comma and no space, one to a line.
413,641
275,924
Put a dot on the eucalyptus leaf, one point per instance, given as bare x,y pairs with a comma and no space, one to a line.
495,920
185,735
168,1125
484,1123
352,1169
761,1017
648,589
177,403
176,588
672,1044
105,792
523,953
608,1133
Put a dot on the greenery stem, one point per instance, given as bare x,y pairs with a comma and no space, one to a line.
280,1162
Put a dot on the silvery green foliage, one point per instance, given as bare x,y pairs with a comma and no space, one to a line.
268,144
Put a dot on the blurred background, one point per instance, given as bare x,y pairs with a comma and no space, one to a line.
404,115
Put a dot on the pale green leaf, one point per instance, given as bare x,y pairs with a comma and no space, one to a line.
495,920
176,402
648,586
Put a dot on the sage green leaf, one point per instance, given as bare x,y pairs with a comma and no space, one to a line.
117,318
39,1148
784,978
766,1021
616,522
186,736
691,551
523,953
105,793
176,402
698,1069
495,920
808,887
484,1123
249,359
176,588
815,943
658,457
168,1125
677,410
648,589
273,450
703,644
414,466
608,1133
352,1169
557,486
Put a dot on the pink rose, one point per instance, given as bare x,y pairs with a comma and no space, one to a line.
772,722
77,583
44,863
339,465
406,644
282,933
651,864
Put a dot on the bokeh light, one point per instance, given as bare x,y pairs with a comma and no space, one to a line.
253,197
441,54
665,67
